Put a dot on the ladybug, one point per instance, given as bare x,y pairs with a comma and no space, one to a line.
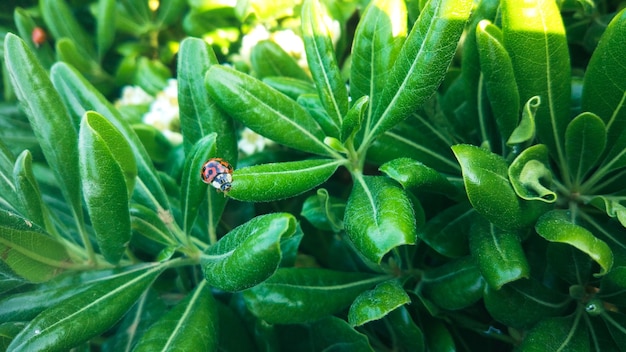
218,173
39,36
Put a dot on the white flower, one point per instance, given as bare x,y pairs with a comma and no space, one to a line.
251,142
258,33
292,44
164,113
134,95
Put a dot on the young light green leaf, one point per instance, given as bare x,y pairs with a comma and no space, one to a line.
62,23
585,140
105,24
21,244
498,254
414,175
377,41
268,182
79,96
270,59
530,174
265,110
323,211
85,314
377,302
50,121
248,254
421,64
320,54
192,189
611,206
199,114
354,119
178,330
534,36
298,295
454,285
557,226
27,190
498,76
379,217
604,94
108,171
525,131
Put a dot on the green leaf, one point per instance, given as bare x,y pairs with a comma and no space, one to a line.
498,77
488,188
25,25
604,93
7,187
320,54
193,190
50,121
530,175
558,226
377,303
199,114
414,175
269,59
324,211
178,330
354,118
454,285
105,23
291,87
498,254
146,222
377,41
421,64
298,295
446,232
108,172
525,131
585,140
379,217
268,182
557,334
534,36
21,244
27,190
265,110
407,334
334,334
85,314
521,304
79,96
248,254
63,24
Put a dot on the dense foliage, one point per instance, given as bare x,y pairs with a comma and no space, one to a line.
444,175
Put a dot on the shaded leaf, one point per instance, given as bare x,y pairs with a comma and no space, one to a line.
557,334
454,285
377,303
585,140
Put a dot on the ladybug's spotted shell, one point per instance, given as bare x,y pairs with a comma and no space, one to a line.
218,173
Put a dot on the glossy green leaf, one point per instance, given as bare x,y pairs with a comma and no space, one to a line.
530,174
354,118
199,114
557,334
105,22
108,171
21,242
145,221
379,217
377,303
408,335
291,87
267,182
86,314
498,254
192,188
454,285
298,295
265,110
178,330
7,187
414,175
27,190
255,244
534,36
50,121
63,24
421,64
79,96
525,131
377,41
334,334
446,232
488,188
585,140
604,93
269,59
313,105
324,211
498,77
521,304
320,54
558,226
